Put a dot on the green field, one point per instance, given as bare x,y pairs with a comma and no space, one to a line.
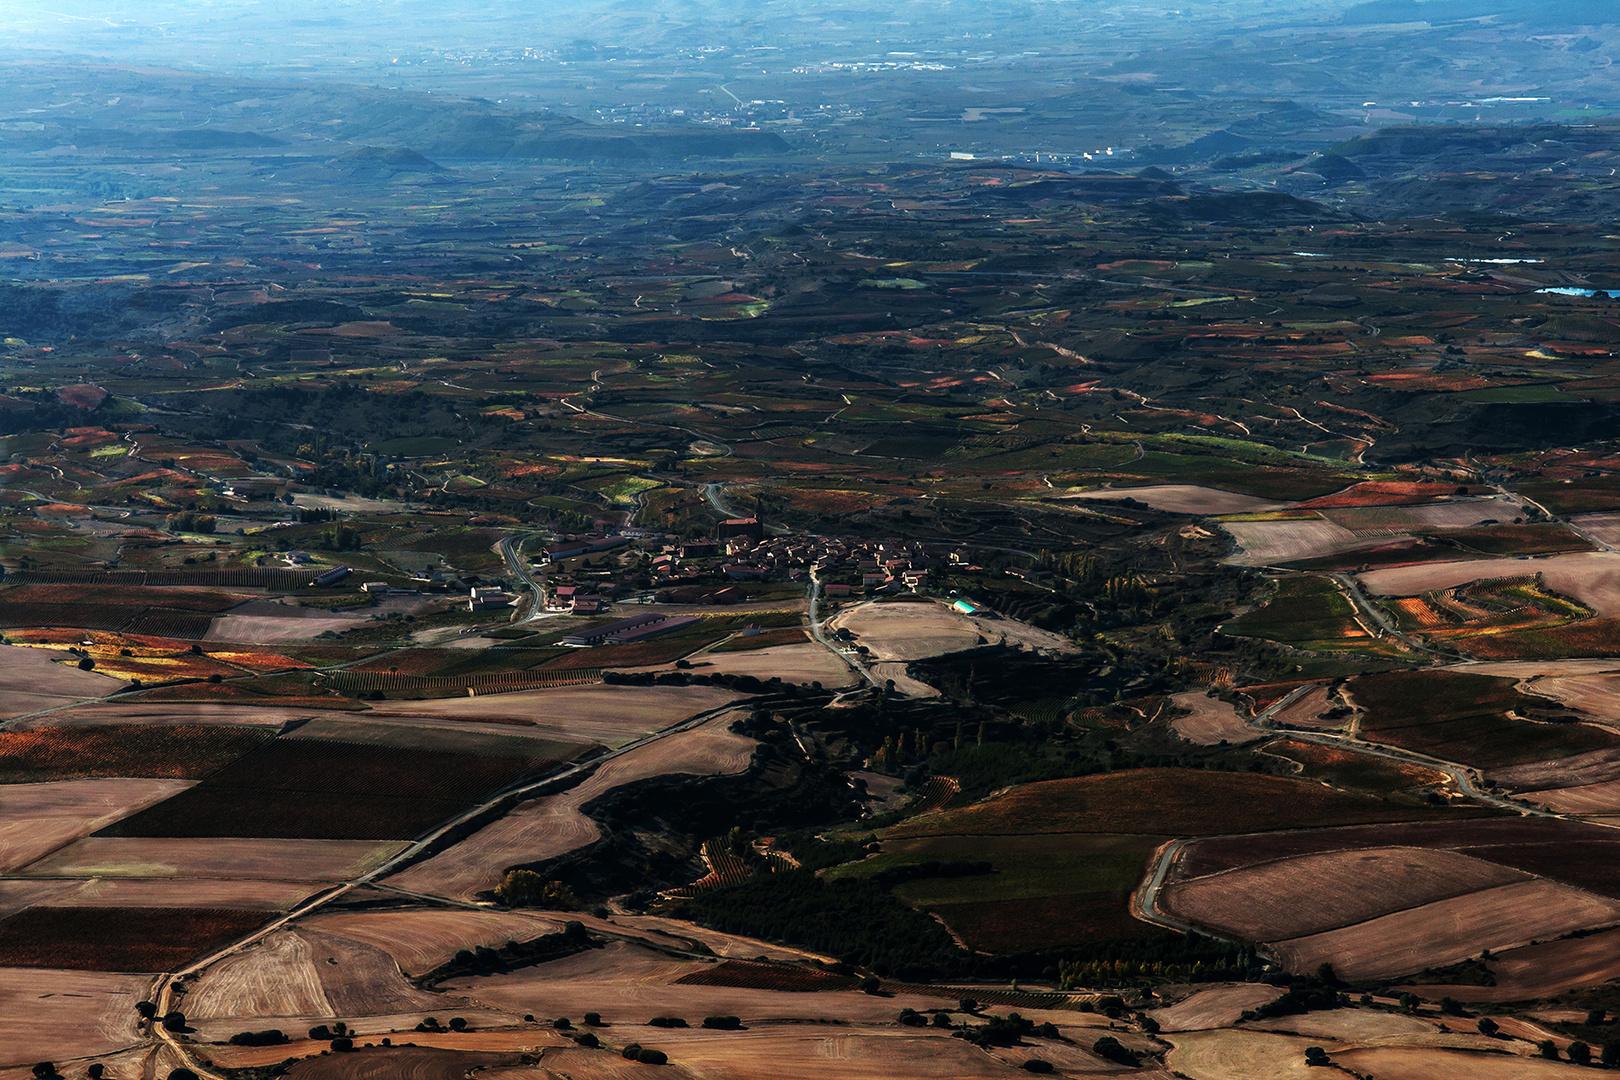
1309,612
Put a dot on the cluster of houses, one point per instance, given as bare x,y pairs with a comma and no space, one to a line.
716,572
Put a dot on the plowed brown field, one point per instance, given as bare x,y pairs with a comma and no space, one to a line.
1216,1008
551,826
36,819
1539,971
611,715
420,941
1450,931
57,1015
30,680
1312,894
1589,799
1430,1063
266,860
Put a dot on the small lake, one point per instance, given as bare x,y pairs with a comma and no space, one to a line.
1560,291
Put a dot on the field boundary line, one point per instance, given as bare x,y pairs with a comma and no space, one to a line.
165,988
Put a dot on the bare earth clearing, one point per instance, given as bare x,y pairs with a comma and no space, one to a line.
551,826
791,663
1183,499
31,680
1209,721
1216,1008
901,631
266,860
1306,712
611,715
36,819
56,1015
1592,577
1310,894
1450,931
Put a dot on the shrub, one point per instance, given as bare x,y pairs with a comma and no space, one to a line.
1036,1065
593,1019
174,1021
652,1057
588,1040
272,1037
562,1023
667,1022
1580,1053
182,1074
44,1070
1488,1027
342,1044
1110,1048
1316,1056
1548,1049
722,1023
630,1051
